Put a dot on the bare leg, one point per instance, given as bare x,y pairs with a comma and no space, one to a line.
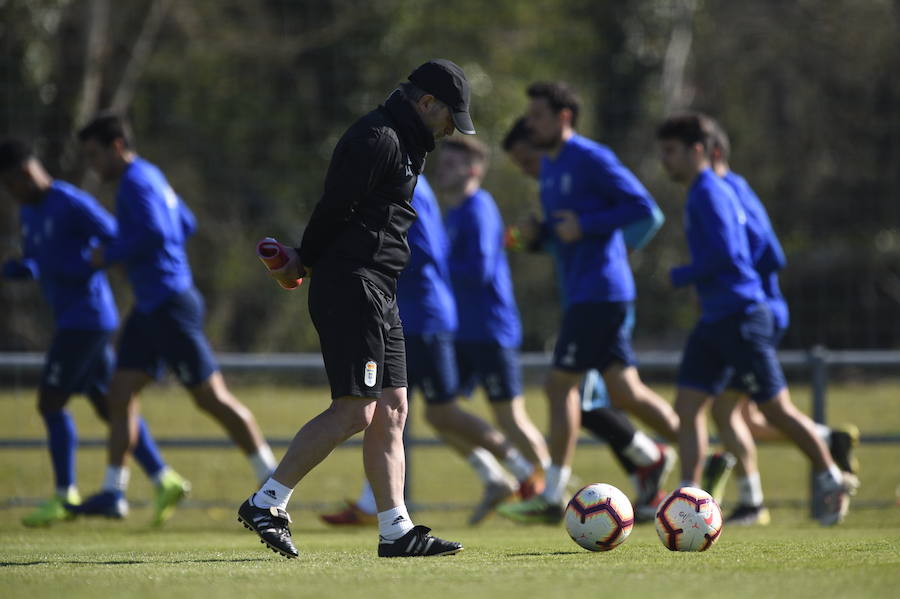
345,417
513,420
565,415
213,397
383,456
627,392
124,408
692,435
734,432
798,427
451,420
759,426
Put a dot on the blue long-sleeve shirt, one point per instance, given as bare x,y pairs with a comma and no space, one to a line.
482,283
721,266
765,249
424,297
154,224
588,178
58,234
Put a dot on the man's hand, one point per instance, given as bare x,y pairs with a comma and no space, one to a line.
567,226
292,270
98,259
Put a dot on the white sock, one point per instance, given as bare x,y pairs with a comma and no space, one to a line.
116,479
750,490
516,463
263,462
157,478
557,478
64,492
642,450
366,501
486,466
824,432
272,494
688,483
546,463
394,523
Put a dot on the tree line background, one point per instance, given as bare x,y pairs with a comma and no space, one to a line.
240,103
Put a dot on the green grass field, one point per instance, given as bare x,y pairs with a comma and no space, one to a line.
204,551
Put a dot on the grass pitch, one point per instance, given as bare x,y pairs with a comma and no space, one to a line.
203,551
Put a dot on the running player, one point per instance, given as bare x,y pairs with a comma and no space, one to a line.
735,334
60,224
588,196
166,324
646,461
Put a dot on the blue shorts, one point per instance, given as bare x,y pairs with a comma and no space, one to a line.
595,335
739,346
495,367
737,383
172,334
593,392
431,366
79,362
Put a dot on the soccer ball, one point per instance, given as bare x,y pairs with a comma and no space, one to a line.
688,519
599,517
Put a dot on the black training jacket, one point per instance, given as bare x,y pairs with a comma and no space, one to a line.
360,223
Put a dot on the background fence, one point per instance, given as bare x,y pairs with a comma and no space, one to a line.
815,367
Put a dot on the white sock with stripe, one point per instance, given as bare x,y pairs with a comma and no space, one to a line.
394,523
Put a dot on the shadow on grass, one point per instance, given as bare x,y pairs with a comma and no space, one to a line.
543,553
132,561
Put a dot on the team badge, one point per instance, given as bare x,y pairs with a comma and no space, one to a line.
371,373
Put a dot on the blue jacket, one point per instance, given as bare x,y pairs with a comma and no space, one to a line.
765,250
154,224
57,236
482,283
424,297
721,266
588,178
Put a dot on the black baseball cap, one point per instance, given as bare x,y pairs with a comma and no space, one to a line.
444,80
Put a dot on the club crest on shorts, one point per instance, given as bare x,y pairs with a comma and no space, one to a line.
371,373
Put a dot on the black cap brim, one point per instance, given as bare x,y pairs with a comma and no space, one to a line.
463,123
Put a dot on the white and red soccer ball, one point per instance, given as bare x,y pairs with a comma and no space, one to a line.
688,519
599,517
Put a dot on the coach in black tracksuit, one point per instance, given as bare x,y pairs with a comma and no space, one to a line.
356,245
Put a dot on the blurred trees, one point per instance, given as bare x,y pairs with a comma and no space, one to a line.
241,103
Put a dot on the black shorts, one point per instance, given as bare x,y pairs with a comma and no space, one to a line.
359,332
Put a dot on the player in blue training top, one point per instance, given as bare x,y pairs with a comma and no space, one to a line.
739,421
489,333
429,315
646,461
166,324
60,224
587,196
734,337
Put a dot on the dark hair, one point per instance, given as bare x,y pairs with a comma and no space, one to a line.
558,94
518,132
472,148
13,154
689,128
720,140
106,128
